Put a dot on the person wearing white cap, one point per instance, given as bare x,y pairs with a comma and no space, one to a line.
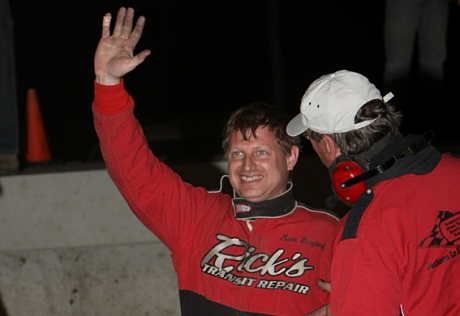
398,248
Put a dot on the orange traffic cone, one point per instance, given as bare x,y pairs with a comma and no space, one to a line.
37,144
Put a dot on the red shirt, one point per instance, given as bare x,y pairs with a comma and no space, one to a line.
406,253
253,258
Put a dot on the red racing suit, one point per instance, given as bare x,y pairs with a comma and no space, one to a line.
398,249
232,257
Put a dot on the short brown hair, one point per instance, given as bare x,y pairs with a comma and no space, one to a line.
251,116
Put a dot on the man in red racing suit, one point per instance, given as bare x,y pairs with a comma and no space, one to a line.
233,256
397,250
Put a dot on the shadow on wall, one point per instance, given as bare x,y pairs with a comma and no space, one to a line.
2,308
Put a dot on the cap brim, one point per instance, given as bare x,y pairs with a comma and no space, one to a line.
296,126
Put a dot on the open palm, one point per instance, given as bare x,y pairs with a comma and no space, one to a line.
114,56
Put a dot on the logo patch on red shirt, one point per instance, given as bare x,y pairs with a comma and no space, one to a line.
242,208
450,228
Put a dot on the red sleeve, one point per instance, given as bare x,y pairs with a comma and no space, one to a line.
110,100
157,196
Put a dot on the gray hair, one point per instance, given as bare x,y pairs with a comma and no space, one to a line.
358,141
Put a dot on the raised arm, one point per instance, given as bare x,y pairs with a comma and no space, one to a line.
155,193
114,56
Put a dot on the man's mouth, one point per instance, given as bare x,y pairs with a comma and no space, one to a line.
250,179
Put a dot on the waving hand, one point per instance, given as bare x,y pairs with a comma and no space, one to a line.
114,54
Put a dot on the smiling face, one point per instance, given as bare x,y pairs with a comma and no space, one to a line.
257,167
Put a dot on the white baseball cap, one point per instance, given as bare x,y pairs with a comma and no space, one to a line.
331,102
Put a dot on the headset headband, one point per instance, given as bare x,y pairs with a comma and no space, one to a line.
421,143
349,173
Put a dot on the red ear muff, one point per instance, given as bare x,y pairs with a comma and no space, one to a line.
344,171
348,178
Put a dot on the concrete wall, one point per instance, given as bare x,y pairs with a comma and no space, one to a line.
69,245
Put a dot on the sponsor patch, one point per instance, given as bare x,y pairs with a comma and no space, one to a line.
445,231
242,208
450,228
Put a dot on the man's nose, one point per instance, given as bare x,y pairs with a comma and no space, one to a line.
248,163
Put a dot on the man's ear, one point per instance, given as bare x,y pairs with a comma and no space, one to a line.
330,148
292,157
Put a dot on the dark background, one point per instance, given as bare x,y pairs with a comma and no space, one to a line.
208,58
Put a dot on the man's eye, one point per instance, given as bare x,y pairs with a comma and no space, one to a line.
236,154
261,152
